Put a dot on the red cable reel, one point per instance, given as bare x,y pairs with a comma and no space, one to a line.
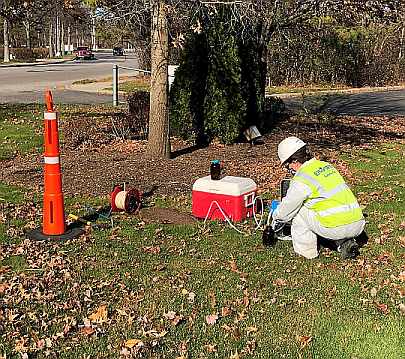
125,200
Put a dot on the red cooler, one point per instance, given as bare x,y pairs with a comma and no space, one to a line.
235,196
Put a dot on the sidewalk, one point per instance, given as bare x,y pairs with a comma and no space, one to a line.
96,87
36,63
100,87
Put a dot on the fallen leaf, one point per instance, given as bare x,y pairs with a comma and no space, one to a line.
130,343
100,315
402,276
383,308
373,292
280,282
213,300
184,291
211,348
173,317
304,340
211,319
3,287
251,330
48,342
170,315
225,311
246,299
125,352
234,267
301,301
151,249
87,330
402,308
191,297
182,349
234,355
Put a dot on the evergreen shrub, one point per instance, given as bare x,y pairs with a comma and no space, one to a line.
224,106
218,89
188,91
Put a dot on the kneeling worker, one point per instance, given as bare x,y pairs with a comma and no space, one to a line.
318,202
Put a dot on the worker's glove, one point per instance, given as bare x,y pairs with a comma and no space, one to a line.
277,225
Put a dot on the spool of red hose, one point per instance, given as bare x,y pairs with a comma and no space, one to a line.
123,200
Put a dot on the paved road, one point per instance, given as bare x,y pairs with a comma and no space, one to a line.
27,84
360,104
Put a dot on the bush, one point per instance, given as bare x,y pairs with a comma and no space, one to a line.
224,107
138,113
188,92
219,86
23,54
41,52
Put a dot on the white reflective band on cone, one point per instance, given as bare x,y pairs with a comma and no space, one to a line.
50,116
51,160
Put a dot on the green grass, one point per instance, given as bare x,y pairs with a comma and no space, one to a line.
139,84
91,81
133,86
20,129
279,305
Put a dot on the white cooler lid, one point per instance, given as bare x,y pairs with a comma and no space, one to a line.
229,185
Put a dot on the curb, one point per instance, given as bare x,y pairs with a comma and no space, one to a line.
23,64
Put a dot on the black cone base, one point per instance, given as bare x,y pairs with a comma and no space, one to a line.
70,233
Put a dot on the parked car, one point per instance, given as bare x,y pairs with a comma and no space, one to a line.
83,52
118,51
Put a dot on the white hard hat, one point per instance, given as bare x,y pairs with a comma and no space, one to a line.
288,147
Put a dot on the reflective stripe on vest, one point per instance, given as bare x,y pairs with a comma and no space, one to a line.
331,199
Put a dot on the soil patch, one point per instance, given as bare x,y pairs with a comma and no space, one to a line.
93,160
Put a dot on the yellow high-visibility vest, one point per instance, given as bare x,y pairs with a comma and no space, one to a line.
331,199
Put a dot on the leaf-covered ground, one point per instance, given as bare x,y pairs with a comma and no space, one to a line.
145,289
93,159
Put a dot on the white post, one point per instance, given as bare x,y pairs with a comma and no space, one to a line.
115,85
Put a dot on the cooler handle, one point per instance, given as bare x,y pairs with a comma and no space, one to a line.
249,199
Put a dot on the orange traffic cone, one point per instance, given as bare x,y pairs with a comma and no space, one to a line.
53,220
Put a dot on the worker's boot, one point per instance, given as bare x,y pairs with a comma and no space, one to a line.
348,249
269,238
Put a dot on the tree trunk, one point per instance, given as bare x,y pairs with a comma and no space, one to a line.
27,27
62,38
158,141
401,44
77,37
6,48
69,38
58,53
51,54
93,32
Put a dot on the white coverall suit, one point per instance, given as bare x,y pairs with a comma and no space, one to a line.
305,227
